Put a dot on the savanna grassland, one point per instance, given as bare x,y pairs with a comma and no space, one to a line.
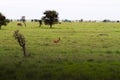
87,51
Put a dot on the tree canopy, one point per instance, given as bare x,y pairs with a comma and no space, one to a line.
50,17
3,20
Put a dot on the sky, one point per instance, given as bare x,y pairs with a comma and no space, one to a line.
67,9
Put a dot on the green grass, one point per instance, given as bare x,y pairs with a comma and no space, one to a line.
87,51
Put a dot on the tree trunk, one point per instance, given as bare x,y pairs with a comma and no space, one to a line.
39,25
50,25
0,27
24,51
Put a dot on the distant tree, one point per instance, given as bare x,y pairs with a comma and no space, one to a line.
106,20
66,20
3,20
117,21
8,20
32,20
81,20
50,18
35,20
23,20
21,40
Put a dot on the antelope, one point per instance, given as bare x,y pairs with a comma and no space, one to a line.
19,24
57,40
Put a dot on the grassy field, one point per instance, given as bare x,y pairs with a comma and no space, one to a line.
87,51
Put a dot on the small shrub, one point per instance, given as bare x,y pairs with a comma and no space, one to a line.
21,40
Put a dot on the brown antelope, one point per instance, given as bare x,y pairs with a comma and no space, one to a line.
57,40
19,24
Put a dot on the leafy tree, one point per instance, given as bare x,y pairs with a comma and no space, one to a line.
50,18
3,20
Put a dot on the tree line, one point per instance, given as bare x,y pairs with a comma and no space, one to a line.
50,17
